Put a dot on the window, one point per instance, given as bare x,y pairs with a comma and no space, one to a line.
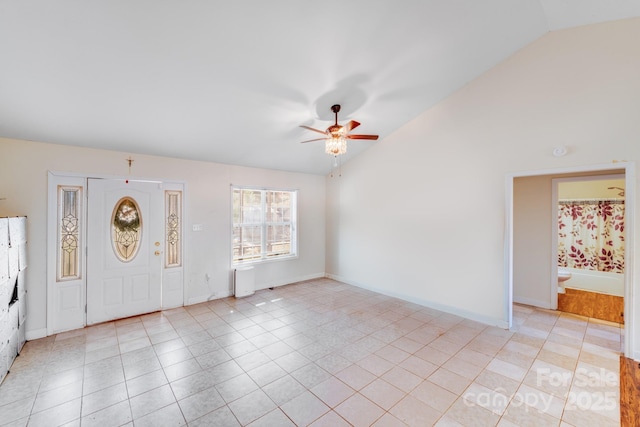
264,224
126,229
173,211
69,214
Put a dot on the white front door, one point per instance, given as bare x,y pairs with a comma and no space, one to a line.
125,241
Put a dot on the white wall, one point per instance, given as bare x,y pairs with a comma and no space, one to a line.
23,182
421,214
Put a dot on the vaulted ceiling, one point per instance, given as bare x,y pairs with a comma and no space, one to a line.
231,82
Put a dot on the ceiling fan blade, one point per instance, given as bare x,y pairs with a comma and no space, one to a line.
362,137
315,130
351,125
311,140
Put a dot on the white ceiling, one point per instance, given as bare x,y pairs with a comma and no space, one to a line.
231,82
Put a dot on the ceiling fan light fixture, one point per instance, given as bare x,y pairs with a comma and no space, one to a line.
335,146
335,137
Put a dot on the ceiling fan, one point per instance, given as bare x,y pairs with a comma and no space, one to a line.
336,136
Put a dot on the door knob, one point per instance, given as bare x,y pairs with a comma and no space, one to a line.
157,253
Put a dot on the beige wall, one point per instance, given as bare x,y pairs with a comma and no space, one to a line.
421,214
23,182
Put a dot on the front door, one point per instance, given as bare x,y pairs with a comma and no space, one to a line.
125,238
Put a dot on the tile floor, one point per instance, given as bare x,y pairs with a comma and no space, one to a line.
319,353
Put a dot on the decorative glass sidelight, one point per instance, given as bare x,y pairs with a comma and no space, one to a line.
69,208
173,208
126,229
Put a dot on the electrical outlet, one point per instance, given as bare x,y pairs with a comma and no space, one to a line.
197,227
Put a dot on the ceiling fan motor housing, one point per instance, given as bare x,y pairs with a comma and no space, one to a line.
336,131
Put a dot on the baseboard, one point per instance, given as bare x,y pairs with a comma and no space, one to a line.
532,302
268,285
259,287
205,298
35,334
196,300
500,323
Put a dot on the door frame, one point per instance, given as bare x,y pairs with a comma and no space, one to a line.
630,217
61,178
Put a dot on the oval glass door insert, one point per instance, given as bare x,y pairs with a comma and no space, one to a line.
126,229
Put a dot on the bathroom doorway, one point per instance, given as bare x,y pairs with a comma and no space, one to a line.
589,240
530,263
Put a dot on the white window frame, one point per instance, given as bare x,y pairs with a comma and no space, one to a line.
264,257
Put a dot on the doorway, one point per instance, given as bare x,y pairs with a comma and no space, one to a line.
536,264
114,248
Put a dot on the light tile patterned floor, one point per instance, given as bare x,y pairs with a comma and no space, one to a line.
319,353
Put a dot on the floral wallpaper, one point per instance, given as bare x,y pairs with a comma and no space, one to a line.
591,235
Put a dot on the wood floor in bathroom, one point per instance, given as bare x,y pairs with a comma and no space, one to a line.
592,304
